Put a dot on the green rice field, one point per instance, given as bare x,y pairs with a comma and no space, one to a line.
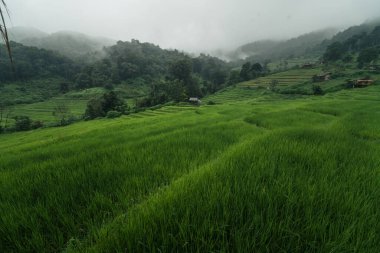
257,172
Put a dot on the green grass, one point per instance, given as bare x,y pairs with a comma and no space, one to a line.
290,63
76,102
285,79
257,172
27,92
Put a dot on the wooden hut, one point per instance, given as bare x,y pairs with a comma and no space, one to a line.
195,101
360,83
322,77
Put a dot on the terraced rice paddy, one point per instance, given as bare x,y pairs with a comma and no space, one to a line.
285,79
257,172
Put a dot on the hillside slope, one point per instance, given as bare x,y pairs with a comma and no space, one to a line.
256,172
68,43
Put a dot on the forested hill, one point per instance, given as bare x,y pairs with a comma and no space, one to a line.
274,50
358,30
68,43
128,61
31,62
365,45
169,74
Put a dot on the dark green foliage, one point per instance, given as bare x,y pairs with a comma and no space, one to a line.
368,55
62,113
249,71
367,45
83,81
245,71
181,70
234,77
148,63
212,70
113,114
64,87
36,124
99,107
128,60
31,62
334,52
317,89
111,101
22,123
94,109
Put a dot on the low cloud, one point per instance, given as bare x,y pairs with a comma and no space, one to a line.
197,25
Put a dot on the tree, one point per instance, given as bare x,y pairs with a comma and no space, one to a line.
273,85
62,113
245,72
181,70
176,90
334,52
234,77
83,81
317,90
99,107
94,109
367,56
23,123
64,87
111,102
256,70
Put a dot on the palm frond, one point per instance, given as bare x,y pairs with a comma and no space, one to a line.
3,29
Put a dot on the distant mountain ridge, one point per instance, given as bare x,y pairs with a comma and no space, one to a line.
272,49
68,43
310,44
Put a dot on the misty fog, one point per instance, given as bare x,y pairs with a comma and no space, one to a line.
194,26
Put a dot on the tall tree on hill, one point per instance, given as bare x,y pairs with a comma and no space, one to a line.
334,52
3,28
367,55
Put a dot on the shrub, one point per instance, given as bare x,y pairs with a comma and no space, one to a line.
317,90
113,114
211,102
23,123
99,107
36,124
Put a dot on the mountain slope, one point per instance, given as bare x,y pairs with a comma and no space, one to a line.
274,50
68,43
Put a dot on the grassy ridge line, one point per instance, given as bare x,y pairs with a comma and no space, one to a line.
33,139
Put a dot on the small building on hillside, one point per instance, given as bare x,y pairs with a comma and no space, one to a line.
307,65
195,101
322,77
360,83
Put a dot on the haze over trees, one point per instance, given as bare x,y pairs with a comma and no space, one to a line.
271,159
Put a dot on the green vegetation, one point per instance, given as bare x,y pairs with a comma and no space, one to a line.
30,62
285,161
367,45
262,172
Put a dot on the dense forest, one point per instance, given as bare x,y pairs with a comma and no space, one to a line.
31,62
366,45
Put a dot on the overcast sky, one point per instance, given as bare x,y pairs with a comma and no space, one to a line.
191,25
